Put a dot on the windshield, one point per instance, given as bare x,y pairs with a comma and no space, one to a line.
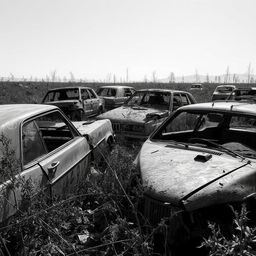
64,94
109,92
154,99
217,130
225,89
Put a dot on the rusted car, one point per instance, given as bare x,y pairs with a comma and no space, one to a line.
78,103
200,161
222,92
243,94
115,96
42,146
197,87
145,110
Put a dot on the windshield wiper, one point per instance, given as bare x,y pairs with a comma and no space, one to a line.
211,143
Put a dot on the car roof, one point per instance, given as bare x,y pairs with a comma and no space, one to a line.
225,106
245,88
226,85
69,87
10,113
161,90
116,86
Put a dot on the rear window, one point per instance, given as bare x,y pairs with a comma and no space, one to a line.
110,92
224,89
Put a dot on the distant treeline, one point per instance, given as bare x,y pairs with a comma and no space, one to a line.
33,92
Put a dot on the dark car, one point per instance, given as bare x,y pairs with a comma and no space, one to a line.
201,160
145,110
77,103
197,87
222,92
243,94
115,96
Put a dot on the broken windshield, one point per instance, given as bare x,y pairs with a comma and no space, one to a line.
234,134
158,100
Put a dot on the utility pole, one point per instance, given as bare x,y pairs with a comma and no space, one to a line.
127,75
227,75
249,73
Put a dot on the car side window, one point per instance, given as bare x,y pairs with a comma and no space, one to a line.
183,122
243,123
184,100
32,143
91,94
127,92
176,101
85,94
49,97
45,134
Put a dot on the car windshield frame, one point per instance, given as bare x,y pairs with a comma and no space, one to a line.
150,99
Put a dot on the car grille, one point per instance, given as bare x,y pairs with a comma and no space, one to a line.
156,210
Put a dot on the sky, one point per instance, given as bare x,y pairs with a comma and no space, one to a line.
130,40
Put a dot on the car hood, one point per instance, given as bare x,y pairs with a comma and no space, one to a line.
171,174
133,114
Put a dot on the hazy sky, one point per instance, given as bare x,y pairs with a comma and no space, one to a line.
93,38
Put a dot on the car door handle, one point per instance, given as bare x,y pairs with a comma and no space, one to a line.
52,169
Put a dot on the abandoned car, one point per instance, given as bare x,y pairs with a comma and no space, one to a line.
78,103
196,87
42,146
145,110
115,96
201,160
222,92
243,94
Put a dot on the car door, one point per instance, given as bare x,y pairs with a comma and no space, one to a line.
95,101
54,154
54,158
87,103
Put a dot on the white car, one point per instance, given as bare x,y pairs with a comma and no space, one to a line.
222,92
45,148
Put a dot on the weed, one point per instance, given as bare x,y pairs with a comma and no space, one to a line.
242,241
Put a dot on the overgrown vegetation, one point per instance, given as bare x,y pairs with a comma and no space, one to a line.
242,242
33,92
102,217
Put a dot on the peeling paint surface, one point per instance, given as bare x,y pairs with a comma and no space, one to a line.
171,173
129,114
67,156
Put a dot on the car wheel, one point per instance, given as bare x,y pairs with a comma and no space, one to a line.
77,115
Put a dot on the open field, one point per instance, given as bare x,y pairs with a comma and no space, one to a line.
33,92
104,216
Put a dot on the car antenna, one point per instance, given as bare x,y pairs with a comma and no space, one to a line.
231,108
212,103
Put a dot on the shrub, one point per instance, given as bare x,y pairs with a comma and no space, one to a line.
242,241
101,218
